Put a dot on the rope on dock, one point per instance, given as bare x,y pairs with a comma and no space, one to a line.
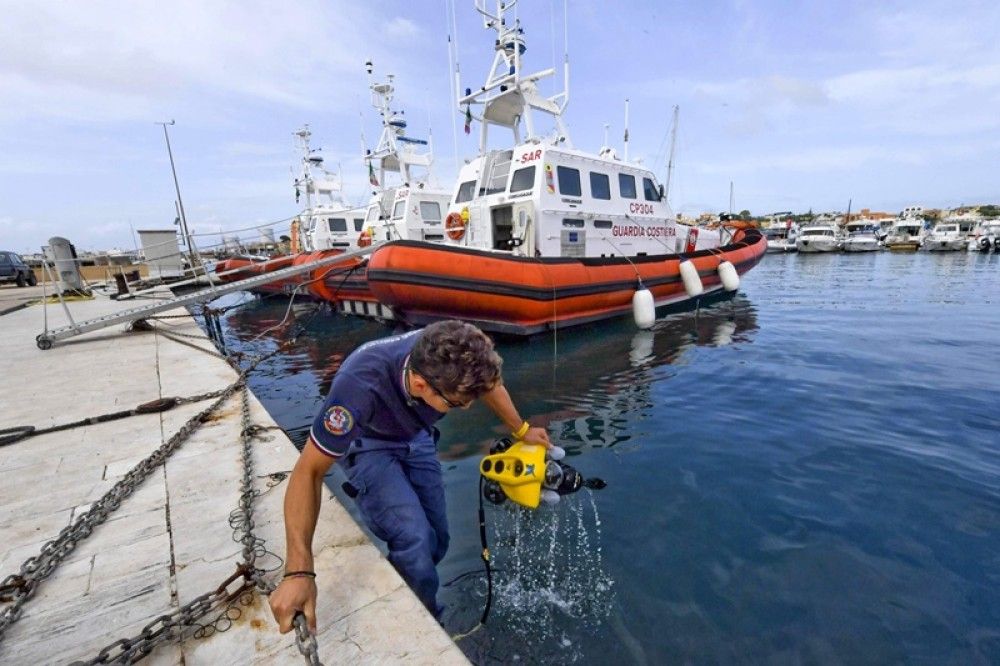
19,433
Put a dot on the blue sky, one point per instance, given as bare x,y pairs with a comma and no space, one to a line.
800,105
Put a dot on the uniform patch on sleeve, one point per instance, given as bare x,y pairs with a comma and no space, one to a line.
338,420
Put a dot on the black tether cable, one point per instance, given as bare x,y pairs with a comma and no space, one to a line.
485,554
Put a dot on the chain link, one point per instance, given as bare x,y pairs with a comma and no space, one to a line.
18,588
174,625
199,397
305,641
241,520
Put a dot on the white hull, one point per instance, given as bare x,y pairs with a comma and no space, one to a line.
780,246
817,245
864,245
945,244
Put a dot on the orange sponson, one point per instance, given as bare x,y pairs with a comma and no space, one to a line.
341,280
523,294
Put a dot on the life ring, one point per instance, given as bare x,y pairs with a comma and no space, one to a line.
365,239
455,226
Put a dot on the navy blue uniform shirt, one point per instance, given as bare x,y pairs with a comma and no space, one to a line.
368,398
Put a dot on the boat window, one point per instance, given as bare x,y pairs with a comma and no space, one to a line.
569,181
626,186
359,222
372,214
575,224
431,212
524,179
337,224
649,190
602,224
399,209
600,185
465,191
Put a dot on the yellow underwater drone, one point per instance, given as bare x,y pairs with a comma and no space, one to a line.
529,474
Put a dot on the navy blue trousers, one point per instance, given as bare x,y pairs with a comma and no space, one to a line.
401,497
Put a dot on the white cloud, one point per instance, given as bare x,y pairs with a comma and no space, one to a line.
815,160
116,60
402,28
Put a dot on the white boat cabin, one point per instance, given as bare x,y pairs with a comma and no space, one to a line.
906,230
332,229
539,200
413,213
819,231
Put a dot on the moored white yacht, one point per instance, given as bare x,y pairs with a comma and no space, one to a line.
782,237
946,236
986,237
862,236
819,238
907,234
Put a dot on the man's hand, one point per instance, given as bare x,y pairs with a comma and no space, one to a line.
537,436
291,596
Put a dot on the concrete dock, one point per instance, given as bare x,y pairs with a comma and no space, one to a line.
170,540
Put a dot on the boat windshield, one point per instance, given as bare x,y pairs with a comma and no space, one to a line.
818,232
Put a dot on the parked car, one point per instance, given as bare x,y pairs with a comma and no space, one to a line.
13,269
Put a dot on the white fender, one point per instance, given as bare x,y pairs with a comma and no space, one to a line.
730,278
643,310
692,282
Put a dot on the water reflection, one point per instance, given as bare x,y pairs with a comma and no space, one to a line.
585,383
593,386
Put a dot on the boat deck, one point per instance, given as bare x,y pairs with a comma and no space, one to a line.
170,541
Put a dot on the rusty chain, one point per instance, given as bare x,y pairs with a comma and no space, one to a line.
171,626
306,641
17,589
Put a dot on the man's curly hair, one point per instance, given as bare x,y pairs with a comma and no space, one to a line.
458,358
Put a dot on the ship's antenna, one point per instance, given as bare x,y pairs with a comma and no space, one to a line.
552,39
361,124
565,54
452,65
626,129
670,163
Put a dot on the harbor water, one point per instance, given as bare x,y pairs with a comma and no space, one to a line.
807,473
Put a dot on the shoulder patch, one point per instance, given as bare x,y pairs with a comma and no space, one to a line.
338,420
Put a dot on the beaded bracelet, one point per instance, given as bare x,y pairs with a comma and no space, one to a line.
299,574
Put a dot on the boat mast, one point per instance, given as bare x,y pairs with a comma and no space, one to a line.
626,130
305,180
508,96
670,162
195,260
395,151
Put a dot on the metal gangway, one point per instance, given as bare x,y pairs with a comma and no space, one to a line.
44,340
